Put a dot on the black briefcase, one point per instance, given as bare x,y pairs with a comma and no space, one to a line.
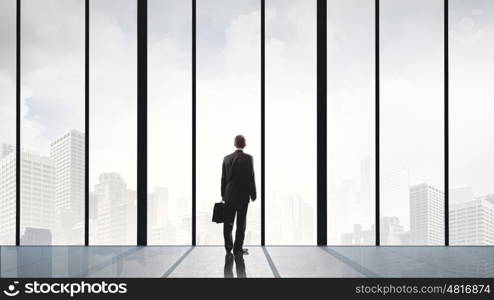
218,216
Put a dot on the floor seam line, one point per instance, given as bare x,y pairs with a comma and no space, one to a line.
272,266
177,263
349,262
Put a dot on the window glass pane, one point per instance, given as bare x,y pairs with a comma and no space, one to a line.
228,103
471,109
7,121
170,122
113,122
52,124
291,119
412,122
351,122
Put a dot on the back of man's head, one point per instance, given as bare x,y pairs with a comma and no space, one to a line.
240,141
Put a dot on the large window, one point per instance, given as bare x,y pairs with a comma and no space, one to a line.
52,122
113,122
471,210
412,122
7,121
291,106
351,122
228,103
170,121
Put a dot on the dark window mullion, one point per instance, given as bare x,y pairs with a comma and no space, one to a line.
86,78
322,219
142,122
446,122
194,46
263,122
18,126
377,126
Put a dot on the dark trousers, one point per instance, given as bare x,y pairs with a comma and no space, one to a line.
240,210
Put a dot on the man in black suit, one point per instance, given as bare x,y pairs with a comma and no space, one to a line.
237,188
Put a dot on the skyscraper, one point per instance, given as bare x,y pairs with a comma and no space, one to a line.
391,231
395,196
359,236
426,215
159,216
67,153
37,194
114,204
68,156
472,222
5,150
7,196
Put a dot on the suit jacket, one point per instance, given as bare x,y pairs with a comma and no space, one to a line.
237,178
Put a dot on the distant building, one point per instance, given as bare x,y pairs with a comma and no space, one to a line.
52,191
405,238
158,207
367,175
115,223
163,231
37,193
472,222
68,156
37,196
36,236
297,216
5,150
391,231
395,195
7,197
359,236
426,215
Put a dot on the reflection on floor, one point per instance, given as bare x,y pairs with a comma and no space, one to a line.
263,262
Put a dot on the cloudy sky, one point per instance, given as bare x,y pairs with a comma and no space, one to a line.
228,82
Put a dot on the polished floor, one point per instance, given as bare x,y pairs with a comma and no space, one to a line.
261,262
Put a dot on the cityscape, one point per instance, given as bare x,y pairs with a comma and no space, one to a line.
52,201
52,205
421,222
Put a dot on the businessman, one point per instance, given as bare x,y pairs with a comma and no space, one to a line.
237,189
